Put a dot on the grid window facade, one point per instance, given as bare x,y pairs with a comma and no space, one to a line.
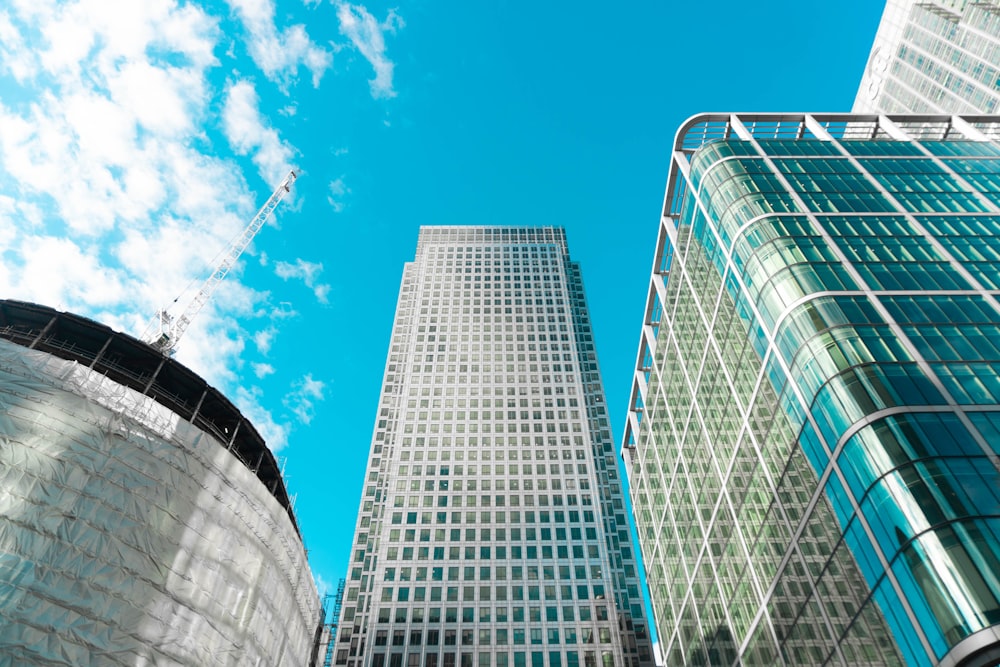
493,528
936,56
812,443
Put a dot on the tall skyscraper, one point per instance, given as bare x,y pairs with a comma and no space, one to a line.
814,431
143,521
492,530
934,56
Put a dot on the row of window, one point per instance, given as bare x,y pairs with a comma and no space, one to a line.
432,377
510,258
474,390
471,470
449,414
484,329
545,551
449,319
528,500
496,349
508,263
526,469
500,484
544,535
512,262
517,572
491,659
502,444
558,517
506,252
449,314
501,535
498,593
488,447
487,287
421,574
510,298
455,284
464,368
474,402
486,614
498,636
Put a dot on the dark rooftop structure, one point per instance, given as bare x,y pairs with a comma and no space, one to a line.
133,363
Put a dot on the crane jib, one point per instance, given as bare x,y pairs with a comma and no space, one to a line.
168,329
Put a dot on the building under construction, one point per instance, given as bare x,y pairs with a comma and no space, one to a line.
144,519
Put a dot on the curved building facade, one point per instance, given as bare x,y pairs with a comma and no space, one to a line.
814,430
144,521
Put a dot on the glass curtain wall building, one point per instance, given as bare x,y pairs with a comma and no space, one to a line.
814,428
935,56
492,530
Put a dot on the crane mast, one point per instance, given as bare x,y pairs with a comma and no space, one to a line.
170,328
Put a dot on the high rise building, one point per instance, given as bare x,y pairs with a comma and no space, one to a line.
934,56
814,429
492,529
143,521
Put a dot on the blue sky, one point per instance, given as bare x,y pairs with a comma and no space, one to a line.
137,138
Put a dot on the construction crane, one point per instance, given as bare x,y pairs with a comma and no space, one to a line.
168,329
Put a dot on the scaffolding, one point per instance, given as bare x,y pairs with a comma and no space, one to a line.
131,535
331,625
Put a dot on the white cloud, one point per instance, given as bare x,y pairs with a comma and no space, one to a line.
262,370
322,292
247,133
336,196
110,199
102,155
107,34
158,96
264,338
79,282
248,400
212,345
322,585
307,272
15,58
278,54
368,37
303,397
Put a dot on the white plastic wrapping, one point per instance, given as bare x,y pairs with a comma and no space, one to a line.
130,537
